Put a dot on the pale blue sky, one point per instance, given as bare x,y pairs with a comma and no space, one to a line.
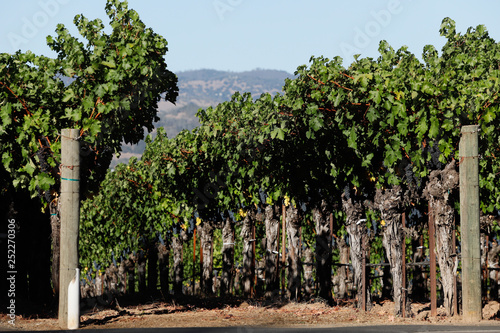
240,35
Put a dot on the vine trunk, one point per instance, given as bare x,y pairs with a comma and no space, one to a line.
323,250
390,202
272,230
438,190
294,252
227,256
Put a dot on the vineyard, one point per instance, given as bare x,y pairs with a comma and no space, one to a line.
321,191
344,187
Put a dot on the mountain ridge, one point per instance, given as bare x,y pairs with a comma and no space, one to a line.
203,88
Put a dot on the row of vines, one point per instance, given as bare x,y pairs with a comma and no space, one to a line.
107,83
336,159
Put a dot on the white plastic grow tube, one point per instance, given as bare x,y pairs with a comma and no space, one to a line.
74,302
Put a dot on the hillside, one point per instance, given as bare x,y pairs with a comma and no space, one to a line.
204,88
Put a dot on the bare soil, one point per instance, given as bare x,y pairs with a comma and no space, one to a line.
237,312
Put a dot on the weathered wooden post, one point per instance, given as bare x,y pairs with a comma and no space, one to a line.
70,217
432,257
454,252
469,224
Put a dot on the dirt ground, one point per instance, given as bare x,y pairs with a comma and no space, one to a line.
218,313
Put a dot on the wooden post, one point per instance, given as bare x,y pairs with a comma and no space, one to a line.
403,264
469,223
432,256
454,252
70,217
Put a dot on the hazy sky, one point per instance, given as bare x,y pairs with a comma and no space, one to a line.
240,35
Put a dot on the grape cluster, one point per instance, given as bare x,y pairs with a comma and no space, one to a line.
347,192
162,242
42,155
434,162
113,258
411,179
263,196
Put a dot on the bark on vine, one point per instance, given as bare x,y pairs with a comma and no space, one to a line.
163,263
356,228
141,271
272,229
55,224
247,271
294,252
340,279
111,278
152,268
130,271
206,238
227,256
323,250
437,191
308,273
177,241
493,259
390,204
122,275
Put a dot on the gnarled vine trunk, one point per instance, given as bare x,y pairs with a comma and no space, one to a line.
152,268
308,273
55,224
493,259
272,229
340,279
141,271
248,271
437,191
323,250
111,278
294,252
130,271
178,276
122,275
163,264
419,283
390,204
227,256
356,228
206,238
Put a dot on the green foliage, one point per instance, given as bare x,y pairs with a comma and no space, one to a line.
377,123
126,216
116,82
